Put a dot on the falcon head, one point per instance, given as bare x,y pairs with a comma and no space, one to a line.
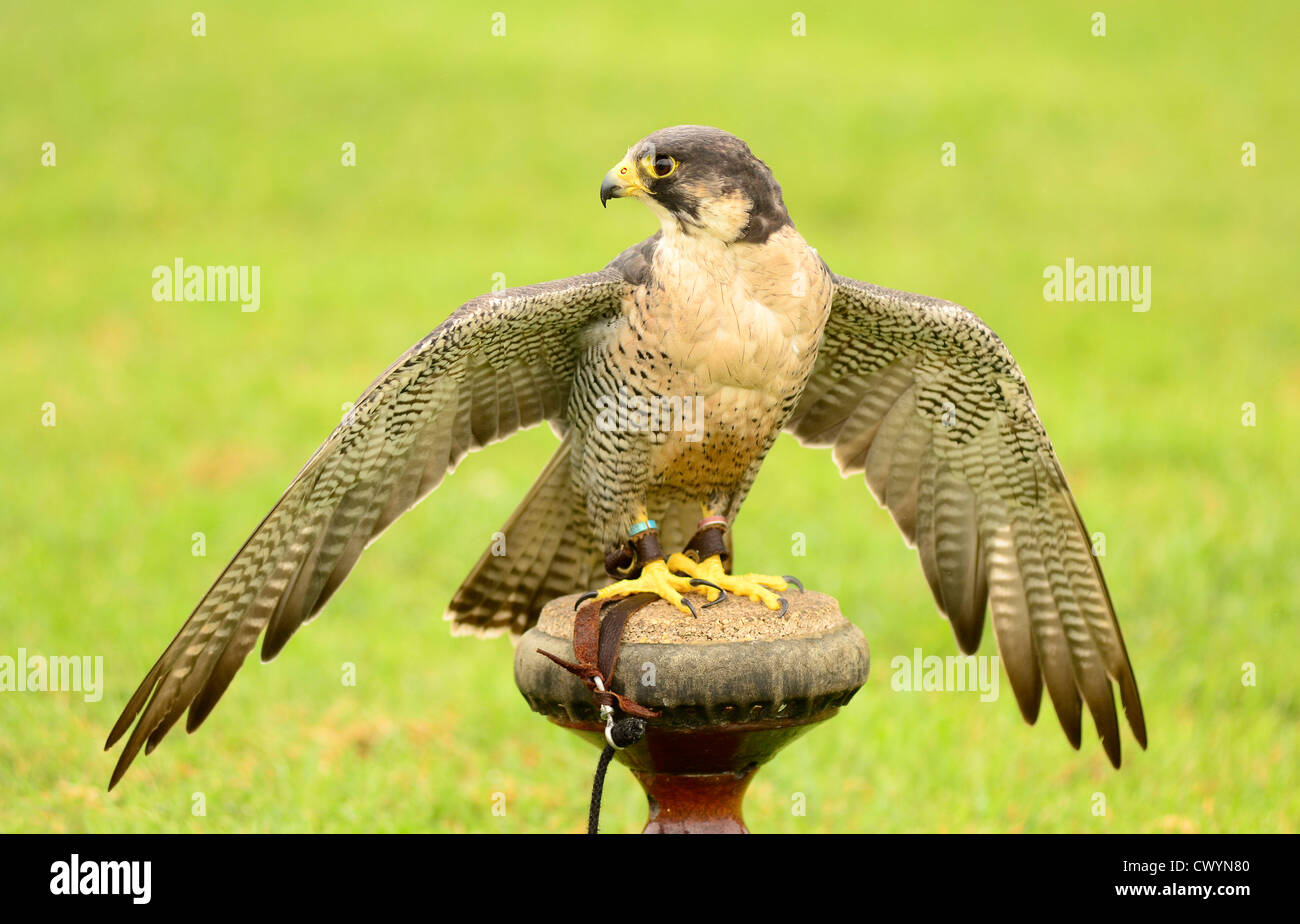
700,180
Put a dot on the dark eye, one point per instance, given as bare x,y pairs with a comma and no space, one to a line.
663,165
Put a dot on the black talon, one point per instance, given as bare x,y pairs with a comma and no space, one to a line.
785,605
690,607
791,579
722,594
584,598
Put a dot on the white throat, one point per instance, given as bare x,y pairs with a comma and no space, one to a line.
722,217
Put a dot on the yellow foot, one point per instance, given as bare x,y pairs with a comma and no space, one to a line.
656,578
757,587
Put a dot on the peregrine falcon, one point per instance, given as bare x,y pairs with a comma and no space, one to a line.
668,376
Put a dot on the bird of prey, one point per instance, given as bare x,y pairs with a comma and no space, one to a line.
728,312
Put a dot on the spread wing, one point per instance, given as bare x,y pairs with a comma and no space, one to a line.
499,363
918,394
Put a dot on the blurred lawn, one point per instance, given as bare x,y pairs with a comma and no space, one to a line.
481,155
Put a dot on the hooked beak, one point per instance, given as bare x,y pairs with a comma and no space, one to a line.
621,181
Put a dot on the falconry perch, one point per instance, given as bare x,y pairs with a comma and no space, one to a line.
726,307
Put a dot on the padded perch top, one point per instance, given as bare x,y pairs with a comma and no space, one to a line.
737,662
735,619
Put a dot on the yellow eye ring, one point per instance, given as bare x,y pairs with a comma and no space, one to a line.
659,167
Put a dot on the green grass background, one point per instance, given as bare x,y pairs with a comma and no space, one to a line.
480,155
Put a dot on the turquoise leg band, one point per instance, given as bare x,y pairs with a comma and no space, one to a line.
637,529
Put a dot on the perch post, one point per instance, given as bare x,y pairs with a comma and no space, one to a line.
734,685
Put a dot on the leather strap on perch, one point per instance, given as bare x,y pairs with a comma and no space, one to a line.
596,643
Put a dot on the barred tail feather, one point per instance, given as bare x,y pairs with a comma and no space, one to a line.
545,553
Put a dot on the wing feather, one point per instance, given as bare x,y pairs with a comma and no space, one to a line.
924,400
496,365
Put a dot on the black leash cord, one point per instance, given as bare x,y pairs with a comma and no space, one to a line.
621,734
597,788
